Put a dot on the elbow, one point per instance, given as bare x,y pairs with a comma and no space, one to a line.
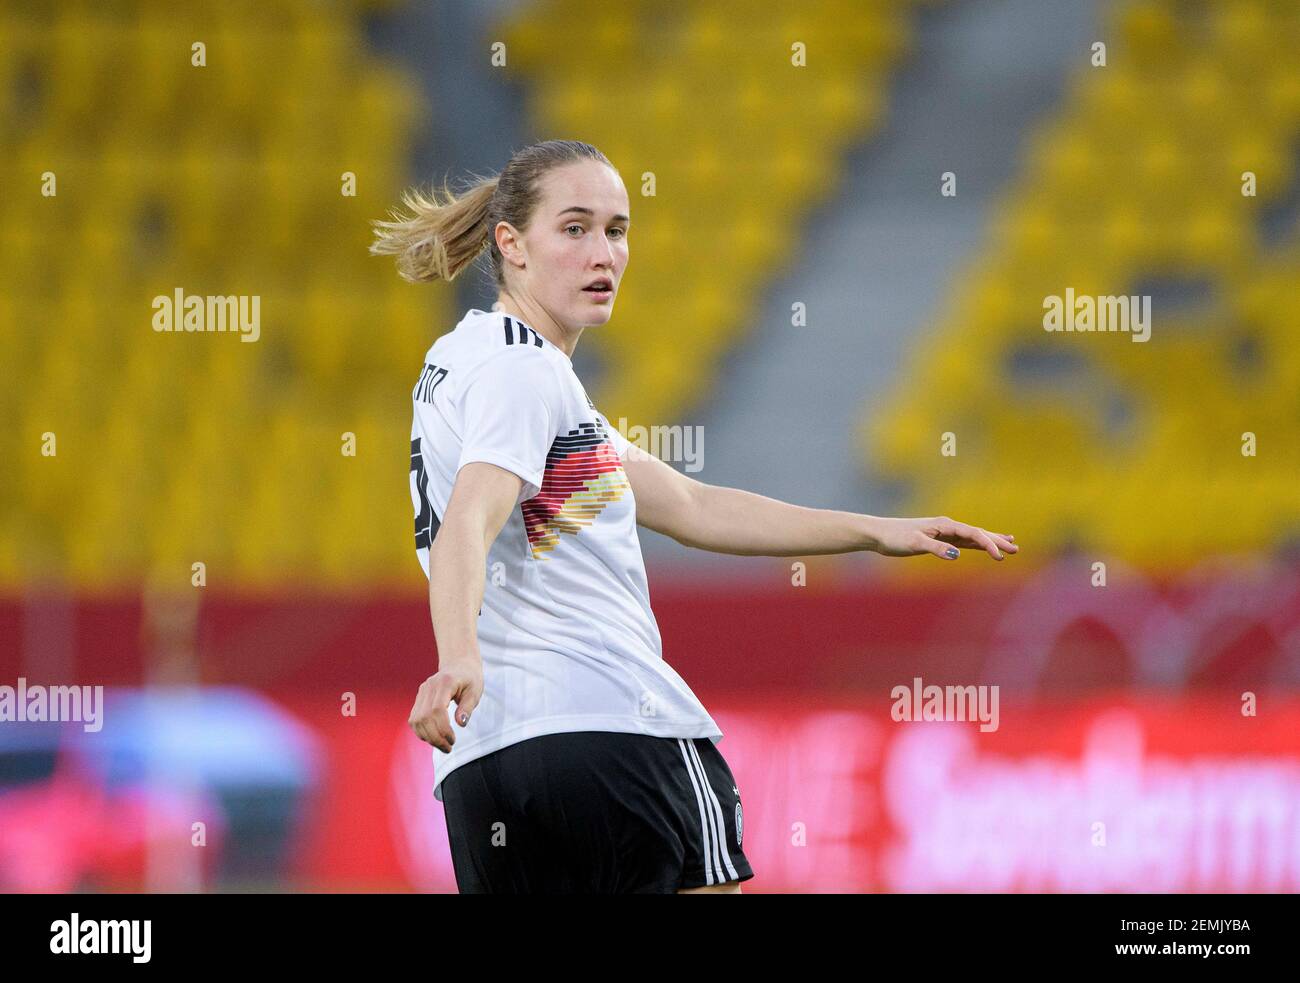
692,515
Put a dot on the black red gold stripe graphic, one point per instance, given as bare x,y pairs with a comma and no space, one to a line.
583,474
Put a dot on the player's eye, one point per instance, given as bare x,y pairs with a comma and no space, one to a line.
574,226
621,232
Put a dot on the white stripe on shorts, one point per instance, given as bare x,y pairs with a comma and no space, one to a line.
705,837
717,811
713,831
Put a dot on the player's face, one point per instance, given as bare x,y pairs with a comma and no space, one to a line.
577,236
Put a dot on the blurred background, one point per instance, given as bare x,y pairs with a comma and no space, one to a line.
847,215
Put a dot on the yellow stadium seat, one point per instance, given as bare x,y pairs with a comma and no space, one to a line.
1139,178
200,439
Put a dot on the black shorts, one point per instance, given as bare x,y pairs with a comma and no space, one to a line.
595,812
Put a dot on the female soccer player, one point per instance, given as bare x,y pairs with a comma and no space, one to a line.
584,762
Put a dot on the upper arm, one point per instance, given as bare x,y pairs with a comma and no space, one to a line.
509,414
666,500
482,498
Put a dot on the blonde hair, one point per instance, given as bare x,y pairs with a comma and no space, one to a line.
445,232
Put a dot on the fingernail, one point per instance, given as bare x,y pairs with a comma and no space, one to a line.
951,552
463,719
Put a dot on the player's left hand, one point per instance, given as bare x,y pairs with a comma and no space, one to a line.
939,535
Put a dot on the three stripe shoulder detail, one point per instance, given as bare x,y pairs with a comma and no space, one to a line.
518,333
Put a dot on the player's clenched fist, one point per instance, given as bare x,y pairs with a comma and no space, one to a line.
459,682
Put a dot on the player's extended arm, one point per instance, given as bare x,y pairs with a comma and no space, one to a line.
481,500
731,520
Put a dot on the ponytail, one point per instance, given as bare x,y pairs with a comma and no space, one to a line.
445,233
441,235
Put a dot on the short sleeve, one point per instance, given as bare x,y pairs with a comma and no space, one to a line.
621,443
511,412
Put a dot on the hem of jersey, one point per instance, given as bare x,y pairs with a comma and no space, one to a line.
531,479
699,878
611,723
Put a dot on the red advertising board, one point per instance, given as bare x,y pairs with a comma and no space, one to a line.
1108,794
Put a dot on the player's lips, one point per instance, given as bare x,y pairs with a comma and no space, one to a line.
601,289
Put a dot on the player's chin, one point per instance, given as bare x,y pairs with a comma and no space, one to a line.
591,314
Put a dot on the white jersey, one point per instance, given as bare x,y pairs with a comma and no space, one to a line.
566,634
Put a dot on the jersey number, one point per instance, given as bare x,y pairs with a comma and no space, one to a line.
426,523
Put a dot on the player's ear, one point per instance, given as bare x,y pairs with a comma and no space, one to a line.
509,244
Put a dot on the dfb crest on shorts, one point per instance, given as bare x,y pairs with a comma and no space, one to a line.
740,824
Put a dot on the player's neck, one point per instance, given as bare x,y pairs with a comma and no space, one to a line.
541,322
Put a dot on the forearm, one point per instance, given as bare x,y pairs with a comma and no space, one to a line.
457,561
732,520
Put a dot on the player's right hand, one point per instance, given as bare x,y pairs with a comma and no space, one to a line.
458,681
